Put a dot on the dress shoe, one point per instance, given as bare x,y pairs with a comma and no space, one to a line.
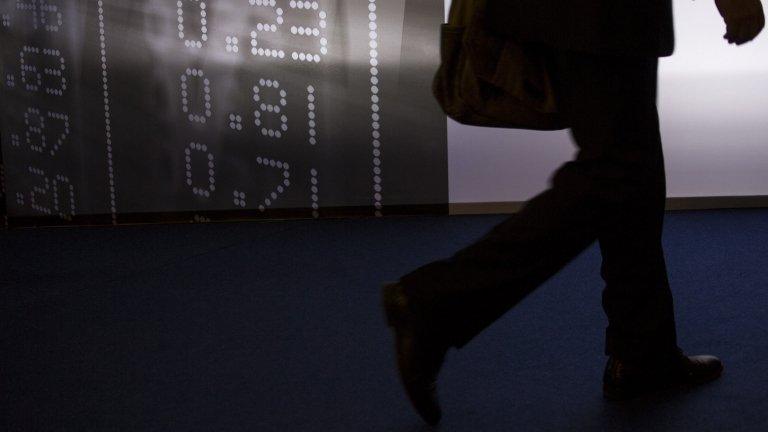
419,355
625,380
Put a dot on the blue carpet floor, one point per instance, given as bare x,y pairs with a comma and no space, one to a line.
277,327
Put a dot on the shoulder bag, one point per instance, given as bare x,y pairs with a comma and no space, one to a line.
486,80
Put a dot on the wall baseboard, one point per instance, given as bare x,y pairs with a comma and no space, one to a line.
673,204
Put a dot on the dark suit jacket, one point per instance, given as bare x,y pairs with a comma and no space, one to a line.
628,27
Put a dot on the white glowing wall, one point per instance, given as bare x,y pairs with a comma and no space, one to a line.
713,102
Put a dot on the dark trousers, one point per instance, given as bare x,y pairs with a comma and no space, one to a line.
613,192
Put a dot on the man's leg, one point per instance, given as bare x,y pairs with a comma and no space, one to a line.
637,298
611,106
629,168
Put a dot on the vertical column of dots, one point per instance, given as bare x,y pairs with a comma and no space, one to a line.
315,185
375,108
107,115
311,113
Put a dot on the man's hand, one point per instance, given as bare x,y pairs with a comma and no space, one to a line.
744,19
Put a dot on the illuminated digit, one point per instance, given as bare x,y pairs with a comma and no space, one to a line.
35,125
64,120
42,12
33,82
50,10
69,194
60,184
200,148
312,32
270,109
256,48
57,72
269,199
29,6
38,190
186,81
188,42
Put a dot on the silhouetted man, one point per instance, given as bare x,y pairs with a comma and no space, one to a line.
603,57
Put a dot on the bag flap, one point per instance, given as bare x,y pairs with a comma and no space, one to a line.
514,69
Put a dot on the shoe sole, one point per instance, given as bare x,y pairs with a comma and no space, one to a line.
614,394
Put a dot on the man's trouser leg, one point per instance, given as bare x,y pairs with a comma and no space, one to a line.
613,191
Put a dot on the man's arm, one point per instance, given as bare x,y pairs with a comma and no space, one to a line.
744,19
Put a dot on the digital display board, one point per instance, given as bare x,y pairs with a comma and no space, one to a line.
122,110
